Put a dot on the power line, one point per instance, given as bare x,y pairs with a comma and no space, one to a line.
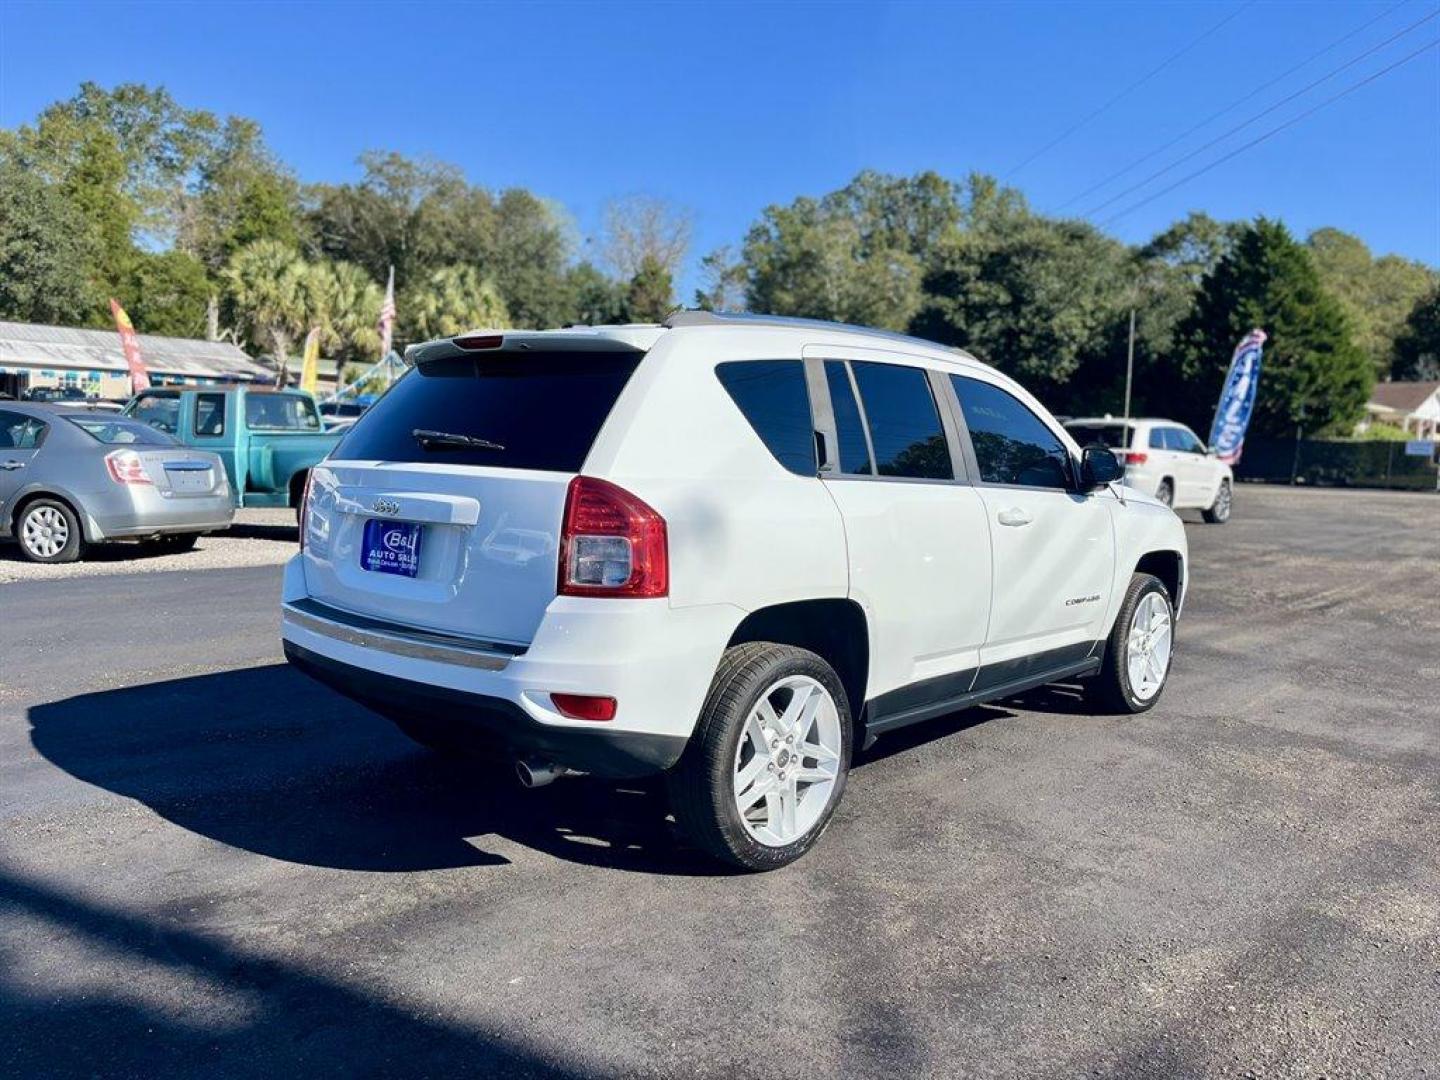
1262,113
1128,90
1232,106
1272,132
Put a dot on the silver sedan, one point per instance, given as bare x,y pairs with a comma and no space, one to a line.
71,477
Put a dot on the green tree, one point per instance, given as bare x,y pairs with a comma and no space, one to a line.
722,278
241,194
1312,370
274,297
166,293
450,301
1377,294
48,250
650,295
594,298
1417,346
1030,295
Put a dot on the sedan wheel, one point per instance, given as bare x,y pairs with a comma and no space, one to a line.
49,532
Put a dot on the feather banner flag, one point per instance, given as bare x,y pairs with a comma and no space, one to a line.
1237,400
130,343
310,364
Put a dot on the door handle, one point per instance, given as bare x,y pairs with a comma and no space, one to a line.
12,464
1013,516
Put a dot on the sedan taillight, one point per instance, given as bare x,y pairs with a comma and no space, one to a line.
125,467
611,543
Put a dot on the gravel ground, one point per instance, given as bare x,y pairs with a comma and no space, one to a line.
211,866
257,538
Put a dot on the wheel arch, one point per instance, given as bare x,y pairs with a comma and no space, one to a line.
89,531
833,629
1169,566
297,486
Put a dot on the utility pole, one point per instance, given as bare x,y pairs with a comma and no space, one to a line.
1299,430
1129,364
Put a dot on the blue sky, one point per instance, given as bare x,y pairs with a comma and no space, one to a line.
726,108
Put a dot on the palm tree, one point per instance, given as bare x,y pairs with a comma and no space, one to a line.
450,301
268,284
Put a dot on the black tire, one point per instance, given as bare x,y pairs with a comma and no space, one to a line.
1166,493
1110,690
1218,512
37,509
701,783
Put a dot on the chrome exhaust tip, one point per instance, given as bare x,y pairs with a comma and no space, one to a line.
534,774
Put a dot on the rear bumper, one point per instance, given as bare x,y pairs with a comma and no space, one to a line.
146,512
492,724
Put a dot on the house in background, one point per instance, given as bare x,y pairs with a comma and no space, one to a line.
32,356
1414,407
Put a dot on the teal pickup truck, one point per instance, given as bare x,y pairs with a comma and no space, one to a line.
268,439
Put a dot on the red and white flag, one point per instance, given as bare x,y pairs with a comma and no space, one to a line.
139,377
387,316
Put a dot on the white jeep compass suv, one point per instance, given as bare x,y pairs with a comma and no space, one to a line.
730,549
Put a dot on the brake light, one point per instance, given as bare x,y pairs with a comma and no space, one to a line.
584,706
611,543
1134,458
480,341
304,508
125,467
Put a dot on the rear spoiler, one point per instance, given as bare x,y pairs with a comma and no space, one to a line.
481,342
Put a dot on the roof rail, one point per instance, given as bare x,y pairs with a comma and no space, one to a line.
691,317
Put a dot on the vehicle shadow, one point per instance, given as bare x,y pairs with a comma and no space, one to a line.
268,761
256,1017
248,530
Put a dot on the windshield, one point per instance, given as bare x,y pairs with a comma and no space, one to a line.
539,411
1112,435
280,412
113,431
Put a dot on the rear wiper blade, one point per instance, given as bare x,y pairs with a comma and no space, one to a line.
446,440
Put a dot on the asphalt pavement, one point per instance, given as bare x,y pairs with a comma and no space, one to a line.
209,865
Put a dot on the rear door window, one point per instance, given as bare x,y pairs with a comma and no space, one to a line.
20,432
1159,438
773,396
905,428
537,410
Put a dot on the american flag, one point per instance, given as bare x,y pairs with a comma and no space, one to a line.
386,325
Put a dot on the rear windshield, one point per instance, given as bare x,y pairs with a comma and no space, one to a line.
280,412
541,410
117,432
1112,435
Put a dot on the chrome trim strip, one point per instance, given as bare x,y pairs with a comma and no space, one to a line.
416,644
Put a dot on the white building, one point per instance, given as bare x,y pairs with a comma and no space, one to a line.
1412,406
33,355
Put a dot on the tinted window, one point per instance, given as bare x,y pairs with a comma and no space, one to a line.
160,411
20,432
904,423
280,412
209,415
854,451
1012,444
117,431
773,397
1185,441
1115,436
1158,439
543,409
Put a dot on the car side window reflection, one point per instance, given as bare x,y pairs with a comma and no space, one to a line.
1012,444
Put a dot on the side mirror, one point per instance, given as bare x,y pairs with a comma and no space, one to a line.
1099,466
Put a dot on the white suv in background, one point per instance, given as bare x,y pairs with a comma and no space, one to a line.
729,549
1165,459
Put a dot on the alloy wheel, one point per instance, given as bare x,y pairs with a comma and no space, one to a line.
1147,652
787,761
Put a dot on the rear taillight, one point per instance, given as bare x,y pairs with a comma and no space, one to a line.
611,543
1132,457
304,508
126,467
